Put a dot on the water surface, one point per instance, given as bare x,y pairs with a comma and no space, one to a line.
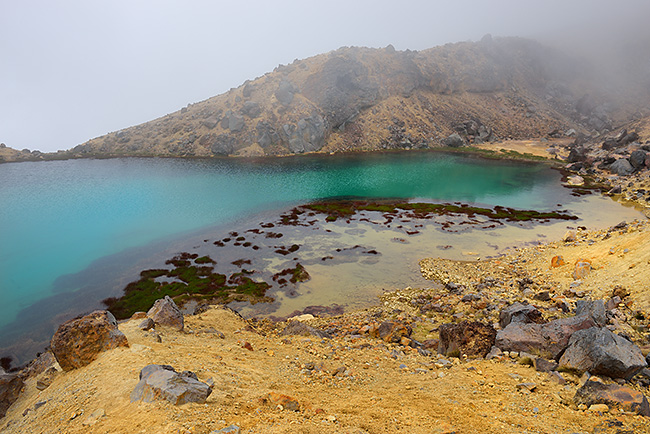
59,217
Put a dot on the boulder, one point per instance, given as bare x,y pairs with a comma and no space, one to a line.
470,338
621,167
518,312
628,399
10,387
78,342
600,351
284,93
158,382
454,141
637,159
547,340
592,308
251,109
307,136
223,144
235,123
391,331
165,312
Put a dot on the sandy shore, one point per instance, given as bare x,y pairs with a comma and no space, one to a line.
354,383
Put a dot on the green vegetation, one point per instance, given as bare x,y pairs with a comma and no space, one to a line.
184,282
344,209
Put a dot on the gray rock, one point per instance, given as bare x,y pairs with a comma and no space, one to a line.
146,324
454,141
595,309
621,167
235,123
252,109
600,351
231,429
519,312
307,136
223,144
266,134
637,159
547,340
284,93
165,312
10,387
210,122
543,365
595,392
158,382
301,329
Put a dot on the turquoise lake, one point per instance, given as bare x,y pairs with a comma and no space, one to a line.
59,217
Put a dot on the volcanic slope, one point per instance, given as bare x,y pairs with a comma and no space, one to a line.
364,99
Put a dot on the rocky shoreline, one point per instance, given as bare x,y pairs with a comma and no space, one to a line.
549,338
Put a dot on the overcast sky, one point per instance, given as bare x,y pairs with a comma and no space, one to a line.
74,70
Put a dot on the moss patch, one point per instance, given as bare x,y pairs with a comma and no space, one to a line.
186,281
345,209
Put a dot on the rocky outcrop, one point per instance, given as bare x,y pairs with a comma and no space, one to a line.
10,387
473,339
308,135
391,331
162,382
519,312
454,141
548,340
600,351
78,342
165,313
614,395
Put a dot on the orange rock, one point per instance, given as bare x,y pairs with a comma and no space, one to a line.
582,269
557,261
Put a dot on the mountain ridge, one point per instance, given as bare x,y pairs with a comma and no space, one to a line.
365,99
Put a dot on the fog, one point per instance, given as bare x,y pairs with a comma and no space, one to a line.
73,70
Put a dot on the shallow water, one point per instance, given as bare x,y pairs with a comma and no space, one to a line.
73,232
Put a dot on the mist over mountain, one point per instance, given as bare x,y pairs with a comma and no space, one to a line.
366,99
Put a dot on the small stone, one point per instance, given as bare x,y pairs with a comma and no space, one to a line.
94,417
557,261
601,408
527,386
231,429
569,236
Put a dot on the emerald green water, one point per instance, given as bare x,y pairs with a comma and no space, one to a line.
56,218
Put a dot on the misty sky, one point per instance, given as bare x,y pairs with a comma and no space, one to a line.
74,70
